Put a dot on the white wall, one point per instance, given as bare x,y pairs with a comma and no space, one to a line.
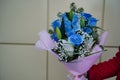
20,22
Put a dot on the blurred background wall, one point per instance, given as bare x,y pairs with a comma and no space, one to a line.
20,22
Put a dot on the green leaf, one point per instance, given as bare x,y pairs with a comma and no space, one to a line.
73,7
71,15
59,14
50,31
82,22
62,29
79,10
95,35
99,28
58,33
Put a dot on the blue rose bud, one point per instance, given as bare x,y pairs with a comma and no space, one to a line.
92,22
86,15
76,22
64,17
75,39
70,33
56,23
54,37
67,24
87,30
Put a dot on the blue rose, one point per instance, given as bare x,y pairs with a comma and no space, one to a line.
56,23
92,21
67,25
64,17
76,22
70,33
76,39
86,15
54,37
87,30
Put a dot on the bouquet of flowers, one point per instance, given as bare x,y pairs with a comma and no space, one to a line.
74,40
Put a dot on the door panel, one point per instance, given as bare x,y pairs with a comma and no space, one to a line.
111,21
21,20
19,62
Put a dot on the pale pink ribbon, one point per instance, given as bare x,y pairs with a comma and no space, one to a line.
77,67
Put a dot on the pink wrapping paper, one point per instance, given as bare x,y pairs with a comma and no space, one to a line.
77,67
82,65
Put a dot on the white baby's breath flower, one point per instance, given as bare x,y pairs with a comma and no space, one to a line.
68,47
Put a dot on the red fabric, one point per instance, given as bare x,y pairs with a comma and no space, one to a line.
106,69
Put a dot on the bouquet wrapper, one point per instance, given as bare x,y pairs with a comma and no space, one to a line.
82,65
76,67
